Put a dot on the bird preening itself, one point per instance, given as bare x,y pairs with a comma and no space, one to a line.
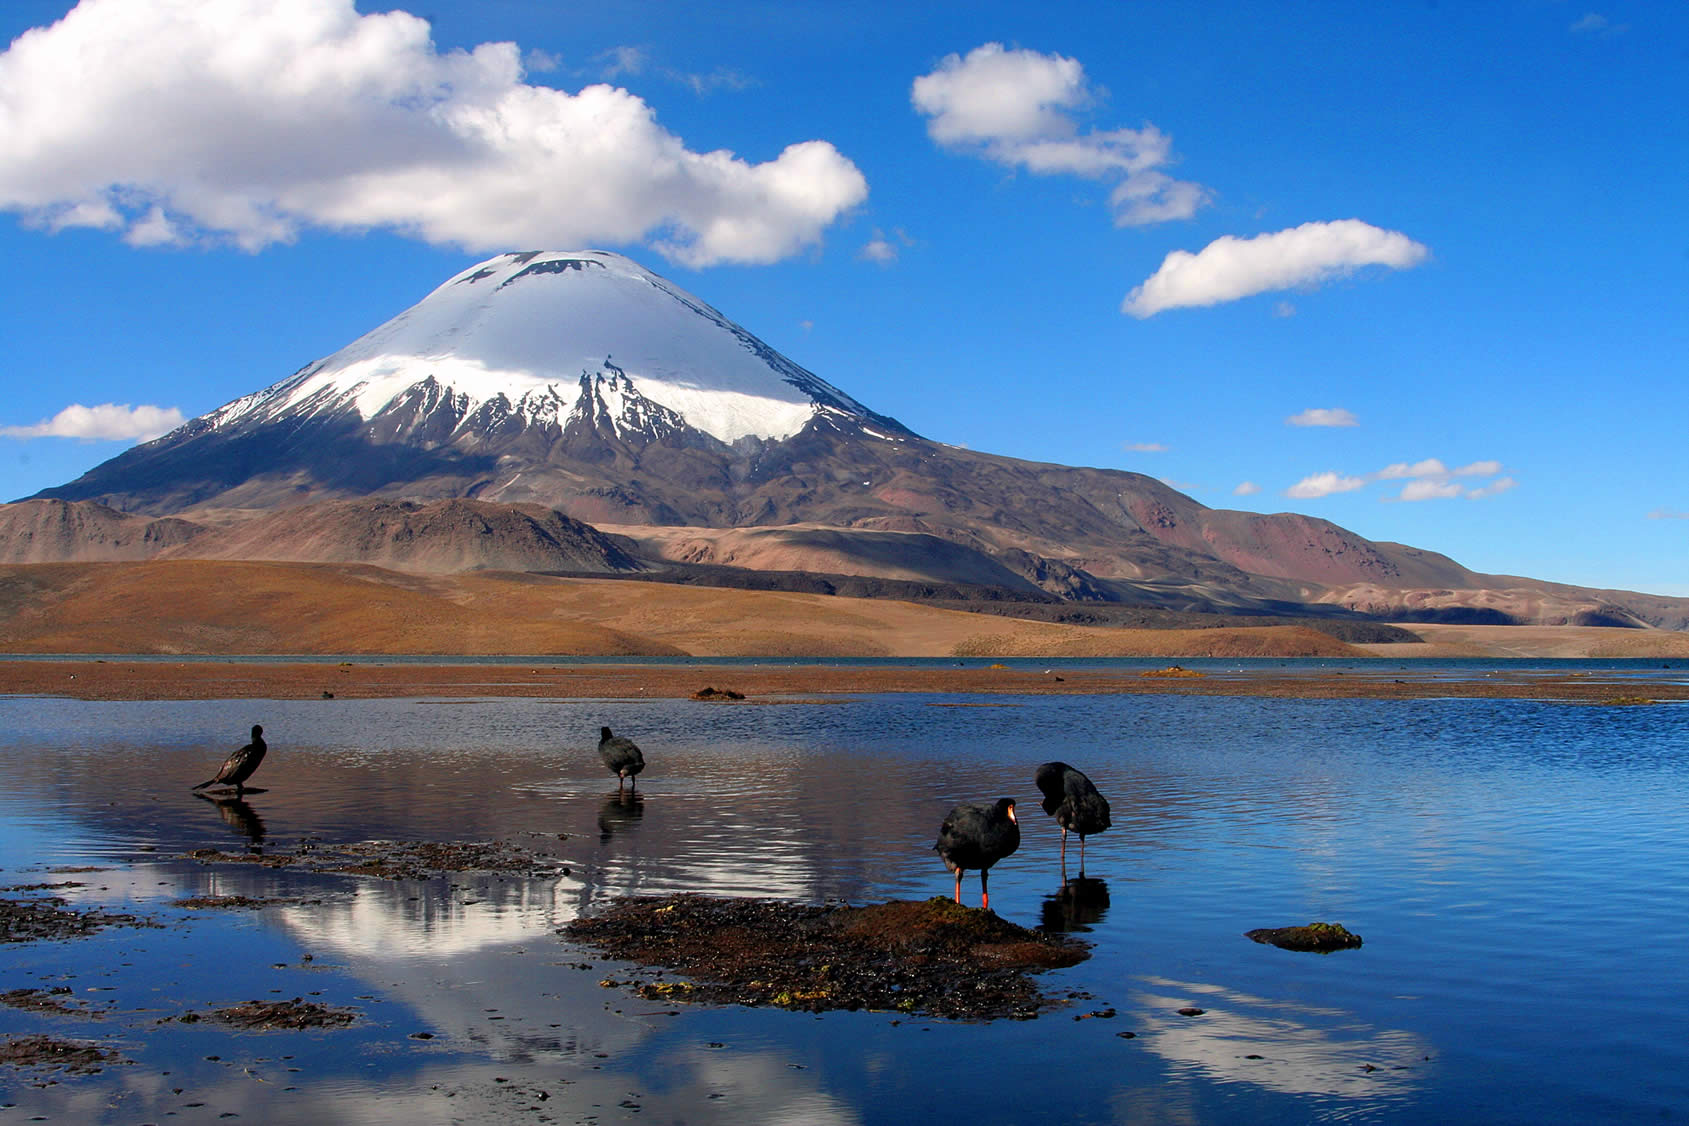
622,757
1074,802
239,766
977,836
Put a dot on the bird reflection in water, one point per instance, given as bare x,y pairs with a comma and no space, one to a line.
237,813
1078,905
621,810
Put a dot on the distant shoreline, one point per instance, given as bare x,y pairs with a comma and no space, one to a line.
119,679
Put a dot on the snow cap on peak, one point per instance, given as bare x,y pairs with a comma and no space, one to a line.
529,325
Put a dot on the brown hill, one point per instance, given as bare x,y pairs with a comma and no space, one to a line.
56,531
215,607
437,537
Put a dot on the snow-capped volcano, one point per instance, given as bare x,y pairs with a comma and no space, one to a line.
545,337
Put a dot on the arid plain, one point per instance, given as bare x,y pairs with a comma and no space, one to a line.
323,611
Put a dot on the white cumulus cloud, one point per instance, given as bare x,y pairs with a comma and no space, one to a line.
1324,485
1230,268
250,120
1427,479
1430,488
1016,107
118,421
1324,416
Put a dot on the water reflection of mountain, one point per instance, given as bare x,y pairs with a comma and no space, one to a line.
1283,1046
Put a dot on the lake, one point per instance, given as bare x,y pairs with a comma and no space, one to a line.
1519,872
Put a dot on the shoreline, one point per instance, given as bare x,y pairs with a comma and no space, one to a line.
116,679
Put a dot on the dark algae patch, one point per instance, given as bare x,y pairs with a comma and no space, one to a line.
934,957
295,1014
394,860
1319,938
59,1000
46,920
51,1053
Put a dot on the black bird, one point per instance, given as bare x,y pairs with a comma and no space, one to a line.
977,836
1075,804
622,758
239,766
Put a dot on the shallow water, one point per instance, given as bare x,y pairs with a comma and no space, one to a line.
1518,870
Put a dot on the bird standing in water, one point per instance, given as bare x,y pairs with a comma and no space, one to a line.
976,836
239,766
1074,802
622,757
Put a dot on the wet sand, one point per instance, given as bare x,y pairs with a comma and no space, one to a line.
116,679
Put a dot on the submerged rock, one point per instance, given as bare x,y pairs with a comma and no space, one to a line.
1320,938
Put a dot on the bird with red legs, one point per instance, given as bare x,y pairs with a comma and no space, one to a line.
976,837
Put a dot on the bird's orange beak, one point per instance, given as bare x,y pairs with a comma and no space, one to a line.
1012,816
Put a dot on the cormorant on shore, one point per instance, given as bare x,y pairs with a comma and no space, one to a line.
240,765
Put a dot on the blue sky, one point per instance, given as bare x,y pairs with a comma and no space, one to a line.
1419,269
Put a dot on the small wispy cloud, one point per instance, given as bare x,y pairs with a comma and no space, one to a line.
1246,489
1667,514
1427,479
884,248
721,78
1594,23
108,421
1323,416
618,61
1143,447
879,249
1230,268
539,61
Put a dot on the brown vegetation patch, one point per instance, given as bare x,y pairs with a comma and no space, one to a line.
54,1054
935,957
708,693
33,920
1172,671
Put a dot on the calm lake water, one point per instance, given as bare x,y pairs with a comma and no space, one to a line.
1519,872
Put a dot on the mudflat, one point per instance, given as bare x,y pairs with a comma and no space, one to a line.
117,679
